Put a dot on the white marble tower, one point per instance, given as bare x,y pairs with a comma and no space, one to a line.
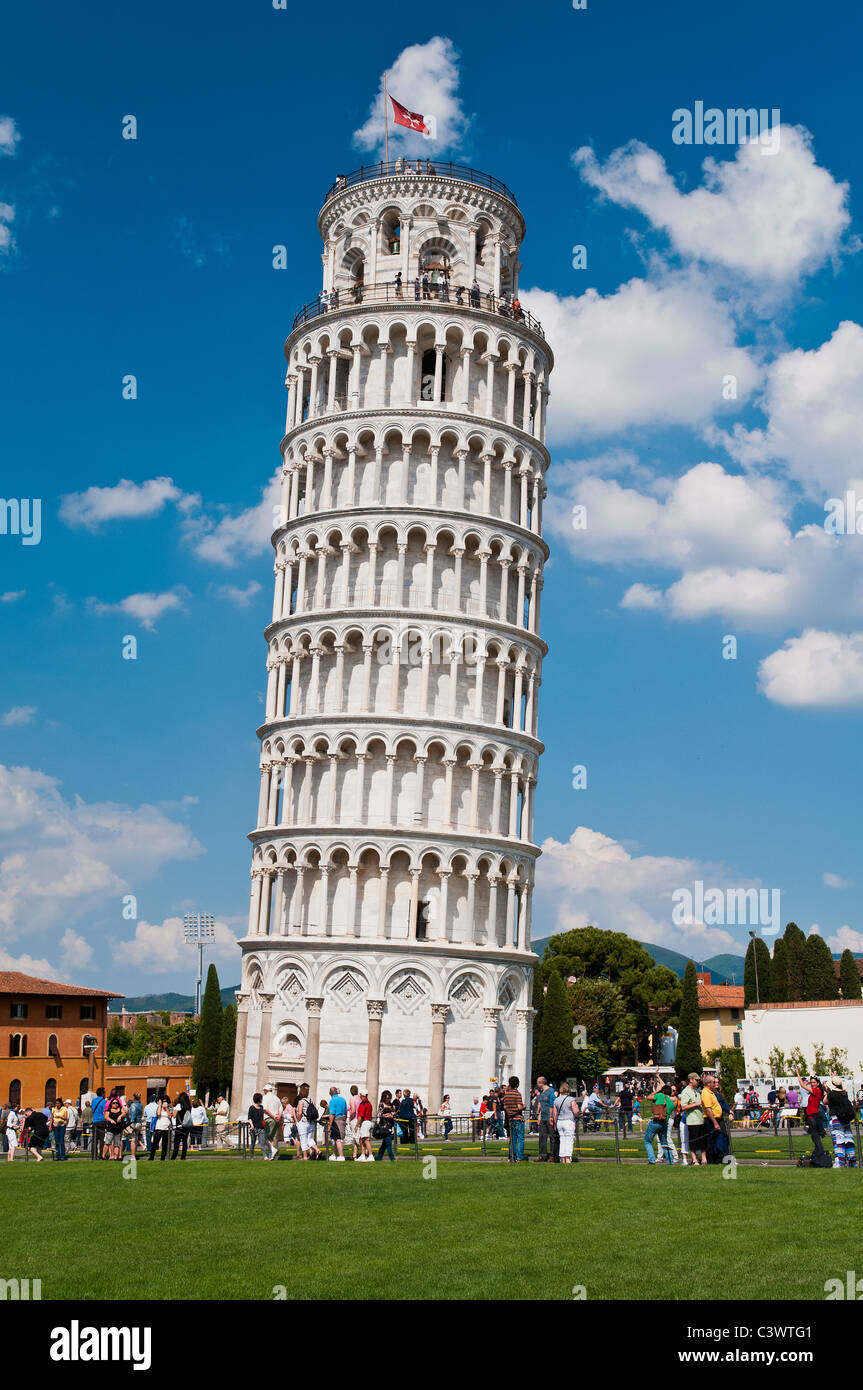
393,859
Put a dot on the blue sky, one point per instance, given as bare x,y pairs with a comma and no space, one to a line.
153,257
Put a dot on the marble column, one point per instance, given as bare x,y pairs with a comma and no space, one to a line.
436,1061
313,1043
266,1036
238,1100
489,1044
375,1009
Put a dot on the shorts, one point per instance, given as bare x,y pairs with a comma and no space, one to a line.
133,1131
12,1139
270,1127
307,1136
365,1129
338,1125
350,1131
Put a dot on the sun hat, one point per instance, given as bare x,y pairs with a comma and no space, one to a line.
695,1076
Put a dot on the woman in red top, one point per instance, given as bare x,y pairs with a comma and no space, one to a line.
364,1128
814,1122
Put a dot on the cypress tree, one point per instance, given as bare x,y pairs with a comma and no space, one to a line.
819,976
756,973
779,973
849,977
205,1068
555,1056
795,945
689,1056
226,1050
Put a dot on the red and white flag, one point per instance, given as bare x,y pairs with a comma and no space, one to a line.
412,119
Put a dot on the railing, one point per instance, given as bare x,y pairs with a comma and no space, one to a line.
435,168
388,292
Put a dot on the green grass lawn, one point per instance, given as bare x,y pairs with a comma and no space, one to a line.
224,1228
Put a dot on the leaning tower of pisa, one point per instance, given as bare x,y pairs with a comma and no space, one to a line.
393,857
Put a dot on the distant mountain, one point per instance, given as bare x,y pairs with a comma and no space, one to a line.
174,1003
721,967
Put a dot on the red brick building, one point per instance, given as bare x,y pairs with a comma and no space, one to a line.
46,1033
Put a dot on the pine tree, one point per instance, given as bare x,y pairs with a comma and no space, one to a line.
689,1056
779,973
795,945
756,973
849,977
555,1057
538,1000
819,976
226,1051
205,1068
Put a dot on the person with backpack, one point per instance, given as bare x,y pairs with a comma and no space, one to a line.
257,1127
841,1119
182,1125
814,1123
661,1110
307,1118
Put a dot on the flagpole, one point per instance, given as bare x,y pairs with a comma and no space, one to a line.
386,125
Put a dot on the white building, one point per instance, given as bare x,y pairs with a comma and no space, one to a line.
823,1024
393,860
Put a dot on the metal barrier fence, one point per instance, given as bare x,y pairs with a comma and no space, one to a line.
387,292
438,168
602,1139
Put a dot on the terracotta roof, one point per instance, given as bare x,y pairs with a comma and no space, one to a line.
13,982
719,996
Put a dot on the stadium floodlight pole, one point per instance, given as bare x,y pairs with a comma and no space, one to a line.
755,958
198,927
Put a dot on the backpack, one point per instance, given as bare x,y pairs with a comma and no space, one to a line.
311,1112
844,1110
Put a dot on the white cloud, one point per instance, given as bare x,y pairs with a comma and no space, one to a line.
241,597
729,536
125,501
846,939
19,714
594,879
814,403
7,215
12,595
60,859
424,78
834,881
145,608
655,352
158,947
77,952
769,218
233,538
704,515
9,135
42,969
816,669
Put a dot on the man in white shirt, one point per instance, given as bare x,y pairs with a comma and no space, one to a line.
273,1112
221,1115
71,1124
474,1117
151,1110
